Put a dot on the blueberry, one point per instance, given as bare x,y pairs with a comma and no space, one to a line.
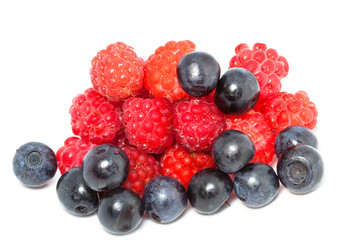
120,211
294,135
237,91
164,199
300,169
34,164
232,150
208,190
73,193
198,73
256,184
105,167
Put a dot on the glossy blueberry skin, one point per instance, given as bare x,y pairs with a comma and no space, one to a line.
73,193
237,91
105,167
232,150
294,135
208,190
165,199
256,184
34,164
300,169
120,211
198,73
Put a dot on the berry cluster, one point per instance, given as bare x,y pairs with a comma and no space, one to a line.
153,135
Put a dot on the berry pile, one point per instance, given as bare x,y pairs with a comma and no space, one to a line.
153,135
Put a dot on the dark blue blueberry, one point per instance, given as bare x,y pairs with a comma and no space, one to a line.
105,167
232,150
198,73
237,91
256,184
73,193
164,199
34,164
120,211
208,190
300,169
294,135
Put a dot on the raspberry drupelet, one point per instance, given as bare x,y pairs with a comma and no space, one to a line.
161,70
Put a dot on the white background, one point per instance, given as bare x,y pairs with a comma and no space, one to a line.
45,53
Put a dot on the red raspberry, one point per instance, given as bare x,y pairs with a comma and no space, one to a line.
148,123
265,63
94,118
117,72
255,126
161,70
143,167
196,124
72,153
288,109
180,164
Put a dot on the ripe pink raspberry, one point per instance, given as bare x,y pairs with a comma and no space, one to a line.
288,109
180,164
161,70
143,167
148,123
265,63
72,153
262,135
94,118
196,124
117,72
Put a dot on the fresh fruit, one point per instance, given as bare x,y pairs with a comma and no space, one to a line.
255,126
256,184
265,63
232,150
300,169
120,211
143,167
180,164
148,124
196,124
34,164
105,167
198,73
288,109
237,91
75,196
208,190
161,70
94,118
292,136
72,153
165,199
117,72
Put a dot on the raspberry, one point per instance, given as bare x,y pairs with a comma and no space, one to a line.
72,153
262,135
265,63
180,164
148,123
196,124
288,109
143,167
161,70
94,118
117,72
